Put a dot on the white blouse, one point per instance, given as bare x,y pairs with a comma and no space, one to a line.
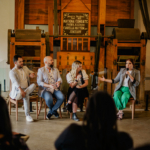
70,79
125,81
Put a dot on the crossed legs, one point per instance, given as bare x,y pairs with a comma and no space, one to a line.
49,101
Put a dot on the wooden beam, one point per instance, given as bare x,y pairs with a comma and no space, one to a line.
142,70
21,8
132,9
128,44
50,25
114,73
12,52
16,14
28,43
43,51
101,13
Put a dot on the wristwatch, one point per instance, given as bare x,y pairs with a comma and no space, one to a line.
76,80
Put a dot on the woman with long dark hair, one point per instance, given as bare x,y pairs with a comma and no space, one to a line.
129,79
7,140
78,82
99,129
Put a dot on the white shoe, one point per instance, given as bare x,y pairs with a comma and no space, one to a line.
29,118
19,96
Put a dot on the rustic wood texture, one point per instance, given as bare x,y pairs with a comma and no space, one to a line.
16,14
115,9
101,14
65,60
27,34
8,50
12,52
43,51
36,54
127,33
21,14
142,70
50,25
114,73
101,67
36,11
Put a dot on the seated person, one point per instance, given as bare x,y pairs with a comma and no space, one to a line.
8,141
49,81
129,79
99,128
78,81
19,77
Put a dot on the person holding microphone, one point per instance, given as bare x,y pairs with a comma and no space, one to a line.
129,79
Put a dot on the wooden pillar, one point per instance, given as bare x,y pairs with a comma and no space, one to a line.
12,52
50,25
16,14
131,9
21,8
142,70
101,14
114,71
101,23
43,51
101,67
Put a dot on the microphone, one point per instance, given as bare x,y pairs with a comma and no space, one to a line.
80,72
127,74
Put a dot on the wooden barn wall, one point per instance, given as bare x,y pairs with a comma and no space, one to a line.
115,9
36,11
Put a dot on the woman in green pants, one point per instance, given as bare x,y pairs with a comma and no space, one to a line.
128,79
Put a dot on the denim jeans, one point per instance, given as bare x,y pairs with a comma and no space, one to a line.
48,96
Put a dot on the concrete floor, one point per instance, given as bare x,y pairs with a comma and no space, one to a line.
43,133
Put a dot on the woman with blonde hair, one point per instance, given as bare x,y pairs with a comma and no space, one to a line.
78,81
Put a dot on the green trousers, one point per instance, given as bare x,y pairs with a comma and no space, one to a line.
121,97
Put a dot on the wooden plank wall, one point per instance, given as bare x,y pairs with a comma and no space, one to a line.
115,9
36,11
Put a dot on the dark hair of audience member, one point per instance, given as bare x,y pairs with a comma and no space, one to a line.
5,124
100,122
144,147
15,58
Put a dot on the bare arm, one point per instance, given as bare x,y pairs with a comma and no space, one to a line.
105,80
83,85
73,84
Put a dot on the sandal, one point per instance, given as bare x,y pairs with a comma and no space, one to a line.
120,116
119,113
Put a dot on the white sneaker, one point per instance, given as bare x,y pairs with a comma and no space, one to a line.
19,96
29,118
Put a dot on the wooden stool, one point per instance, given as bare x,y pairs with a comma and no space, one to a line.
32,99
133,106
45,106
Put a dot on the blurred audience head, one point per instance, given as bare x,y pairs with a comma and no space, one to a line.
100,121
5,124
